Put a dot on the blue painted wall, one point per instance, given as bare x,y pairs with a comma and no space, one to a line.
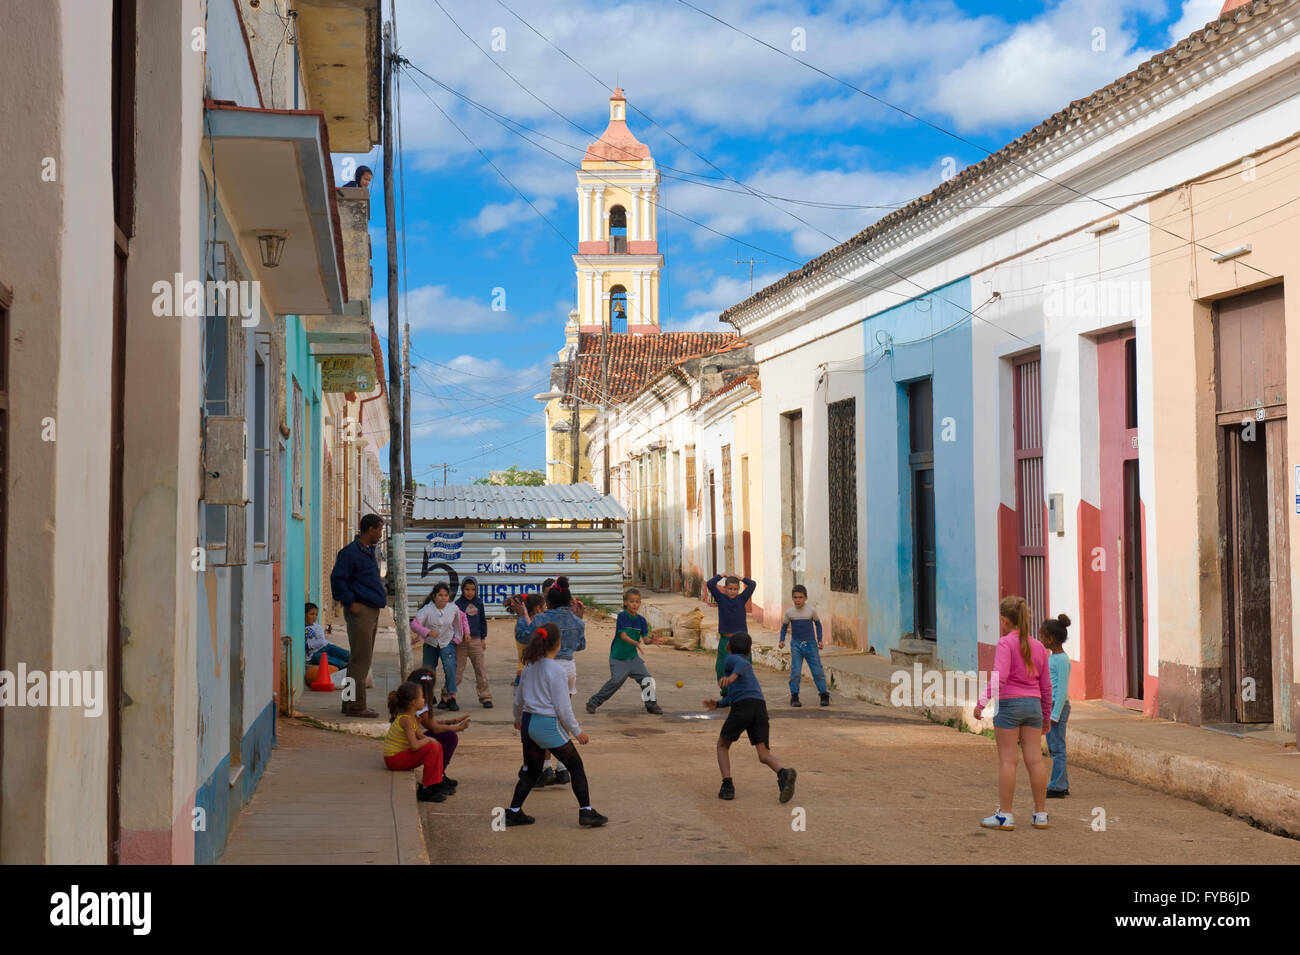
220,800
929,339
300,573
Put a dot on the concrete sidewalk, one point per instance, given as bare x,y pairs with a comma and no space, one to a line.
1252,779
326,797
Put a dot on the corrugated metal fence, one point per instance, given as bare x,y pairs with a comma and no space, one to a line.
507,561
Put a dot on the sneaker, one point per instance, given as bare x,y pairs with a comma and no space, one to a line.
546,779
435,793
591,707
589,817
728,790
486,704
785,781
1040,820
442,705
562,778
450,783
999,820
451,704
1057,793
826,699
654,708
794,700
517,817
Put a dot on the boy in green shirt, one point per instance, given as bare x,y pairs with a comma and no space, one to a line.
624,656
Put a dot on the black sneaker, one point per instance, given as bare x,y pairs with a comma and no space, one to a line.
435,793
728,790
591,707
546,779
517,817
826,699
451,704
450,783
442,705
1057,793
562,778
589,817
785,780
794,700
486,704
654,708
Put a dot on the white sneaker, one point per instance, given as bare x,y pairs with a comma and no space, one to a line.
1040,820
999,820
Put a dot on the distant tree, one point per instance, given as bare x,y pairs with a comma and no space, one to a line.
514,476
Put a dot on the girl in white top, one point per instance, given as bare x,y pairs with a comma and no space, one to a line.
545,720
442,621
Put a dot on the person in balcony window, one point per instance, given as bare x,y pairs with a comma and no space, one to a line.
361,179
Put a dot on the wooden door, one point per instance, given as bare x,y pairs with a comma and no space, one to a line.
728,516
1250,370
1249,597
713,527
1119,571
1031,541
747,569
798,558
925,556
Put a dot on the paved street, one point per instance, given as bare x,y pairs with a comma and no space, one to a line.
875,786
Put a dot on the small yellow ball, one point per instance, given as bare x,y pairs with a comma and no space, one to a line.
680,684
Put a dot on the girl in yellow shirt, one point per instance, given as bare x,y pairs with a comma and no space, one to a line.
406,747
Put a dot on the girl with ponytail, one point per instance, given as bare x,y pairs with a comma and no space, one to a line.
545,720
1053,634
406,748
1022,689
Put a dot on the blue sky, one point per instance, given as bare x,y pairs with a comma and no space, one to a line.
986,71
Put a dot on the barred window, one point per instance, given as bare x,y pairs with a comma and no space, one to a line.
842,474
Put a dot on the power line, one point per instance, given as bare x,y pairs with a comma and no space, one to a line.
658,204
957,137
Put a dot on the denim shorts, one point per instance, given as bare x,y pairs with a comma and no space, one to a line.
1019,711
545,731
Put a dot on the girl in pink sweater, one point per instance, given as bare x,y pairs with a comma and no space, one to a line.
1023,686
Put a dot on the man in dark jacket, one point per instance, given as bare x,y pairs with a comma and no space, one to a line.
356,584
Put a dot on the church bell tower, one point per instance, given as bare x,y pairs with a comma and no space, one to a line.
618,261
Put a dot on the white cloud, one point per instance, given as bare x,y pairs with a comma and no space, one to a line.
502,215
824,224
1042,65
1196,14
432,308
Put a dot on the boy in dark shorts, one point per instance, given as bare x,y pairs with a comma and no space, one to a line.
748,715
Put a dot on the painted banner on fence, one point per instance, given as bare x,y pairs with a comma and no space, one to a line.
512,561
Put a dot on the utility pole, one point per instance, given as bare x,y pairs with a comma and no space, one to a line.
445,469
396,485
406,404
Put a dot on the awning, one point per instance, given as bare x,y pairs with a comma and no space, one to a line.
273,174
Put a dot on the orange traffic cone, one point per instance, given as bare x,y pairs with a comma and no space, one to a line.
323,681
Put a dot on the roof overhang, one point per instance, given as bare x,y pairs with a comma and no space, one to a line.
273,175
339,48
